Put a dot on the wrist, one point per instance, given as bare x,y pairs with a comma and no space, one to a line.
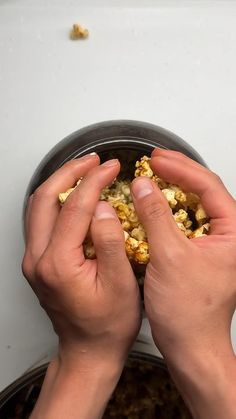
90,358
207,384
76,389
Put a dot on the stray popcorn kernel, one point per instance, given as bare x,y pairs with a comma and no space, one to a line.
186,208
78,32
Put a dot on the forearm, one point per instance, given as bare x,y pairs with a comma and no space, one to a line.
208,385
76,392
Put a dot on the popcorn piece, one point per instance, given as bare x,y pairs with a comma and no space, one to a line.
201,231
125,189
200,214
188,223
64,195
181,216
78,32
141,254
126,235
170,196
122,210
138,233
89,250
160,182
126,225
137,251
130,247
180,196
143,168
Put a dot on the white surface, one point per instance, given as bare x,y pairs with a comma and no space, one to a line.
169,63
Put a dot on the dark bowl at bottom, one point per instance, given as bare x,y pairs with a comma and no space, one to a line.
145,391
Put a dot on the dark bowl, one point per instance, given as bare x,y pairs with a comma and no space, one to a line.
123,139
145,381
127,140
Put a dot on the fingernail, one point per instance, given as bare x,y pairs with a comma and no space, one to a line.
88,156
141,187
112,162
104,211
157,151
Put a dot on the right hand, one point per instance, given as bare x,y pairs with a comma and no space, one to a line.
190,285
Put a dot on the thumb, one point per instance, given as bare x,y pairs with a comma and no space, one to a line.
153,210
108,239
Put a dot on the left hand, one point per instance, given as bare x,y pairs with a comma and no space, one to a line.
94,305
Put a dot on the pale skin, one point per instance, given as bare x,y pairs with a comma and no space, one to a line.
94,306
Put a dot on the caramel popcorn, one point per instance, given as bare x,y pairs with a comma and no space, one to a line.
78,32
186,207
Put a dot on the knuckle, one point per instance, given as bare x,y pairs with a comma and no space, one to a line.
41,192
75,206
71,165
110,243
43,270
154,210
175,256
27,266
216,178
38,193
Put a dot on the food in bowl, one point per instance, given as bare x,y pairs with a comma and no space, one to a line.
145,391
186,208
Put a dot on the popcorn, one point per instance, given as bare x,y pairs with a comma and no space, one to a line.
64,195
141,254
143,168
200,231
137,250
138,233
78,32
170,196
181,216
89,250
186,207
200,214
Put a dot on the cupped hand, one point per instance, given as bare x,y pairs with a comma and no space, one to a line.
94,305
190,285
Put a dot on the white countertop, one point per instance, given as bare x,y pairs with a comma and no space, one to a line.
172,63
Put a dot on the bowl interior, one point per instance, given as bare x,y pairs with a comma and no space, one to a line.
145,390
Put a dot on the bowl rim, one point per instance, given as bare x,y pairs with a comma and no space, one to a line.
100,129
36,373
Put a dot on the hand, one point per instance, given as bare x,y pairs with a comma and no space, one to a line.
190,285
94,305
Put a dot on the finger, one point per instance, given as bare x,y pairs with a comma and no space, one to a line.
75,217
215,198
108,238
176,155
44,207
156,216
